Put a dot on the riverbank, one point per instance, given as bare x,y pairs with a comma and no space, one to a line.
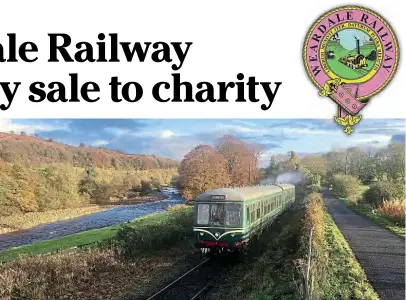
21,221
87,238
24,221
103,269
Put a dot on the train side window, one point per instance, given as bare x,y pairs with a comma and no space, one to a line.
252,213
248,214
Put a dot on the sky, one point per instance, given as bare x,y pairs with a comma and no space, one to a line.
173,138
347,39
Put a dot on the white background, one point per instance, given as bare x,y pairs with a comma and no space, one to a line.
257,38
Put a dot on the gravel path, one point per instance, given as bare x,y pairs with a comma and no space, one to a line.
380,252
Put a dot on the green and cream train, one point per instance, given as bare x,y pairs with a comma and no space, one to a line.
227,218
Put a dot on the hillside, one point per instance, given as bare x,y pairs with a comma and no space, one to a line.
336,47
28,150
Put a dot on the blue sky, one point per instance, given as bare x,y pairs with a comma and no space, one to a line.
347,39
173,138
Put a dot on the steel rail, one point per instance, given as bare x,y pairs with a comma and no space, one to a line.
202,290
179,278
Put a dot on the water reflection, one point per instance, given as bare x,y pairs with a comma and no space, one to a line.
105,218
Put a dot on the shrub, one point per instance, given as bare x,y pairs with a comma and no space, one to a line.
146,186
314,218
393,210
102,193
87,186
383,190
346,186
150,237
314,188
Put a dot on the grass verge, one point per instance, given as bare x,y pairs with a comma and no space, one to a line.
367,211
102,272
346,278
88,238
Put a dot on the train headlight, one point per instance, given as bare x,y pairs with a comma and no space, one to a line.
201,233
233,235
217,234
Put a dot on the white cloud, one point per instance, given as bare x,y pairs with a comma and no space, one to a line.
304,130
7,125
377,139
166,134
117,131
257,131
235,128
98,143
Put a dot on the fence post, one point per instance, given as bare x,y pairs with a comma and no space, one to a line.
308,291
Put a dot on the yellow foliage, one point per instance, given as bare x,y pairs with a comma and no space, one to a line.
393,209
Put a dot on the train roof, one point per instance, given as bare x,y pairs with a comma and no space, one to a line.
243,193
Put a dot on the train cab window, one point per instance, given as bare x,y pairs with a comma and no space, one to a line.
217,214
233,214
203,214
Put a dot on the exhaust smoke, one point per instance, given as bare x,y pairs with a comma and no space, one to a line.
287,177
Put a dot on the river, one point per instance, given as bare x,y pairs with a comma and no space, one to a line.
105,218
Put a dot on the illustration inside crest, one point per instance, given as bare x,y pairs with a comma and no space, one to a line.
351,54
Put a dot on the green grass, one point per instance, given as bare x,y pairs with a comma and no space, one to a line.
270,276
367,211
82,239
346,279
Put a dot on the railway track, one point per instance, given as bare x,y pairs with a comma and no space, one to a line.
361,71
192,284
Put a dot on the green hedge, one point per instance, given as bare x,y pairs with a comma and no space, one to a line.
130,241
346,186
383,190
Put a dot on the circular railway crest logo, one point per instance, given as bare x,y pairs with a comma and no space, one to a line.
350,53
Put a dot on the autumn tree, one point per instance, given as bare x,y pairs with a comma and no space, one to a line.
292,164
241,160
390,162
202,169
316,166
335,163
